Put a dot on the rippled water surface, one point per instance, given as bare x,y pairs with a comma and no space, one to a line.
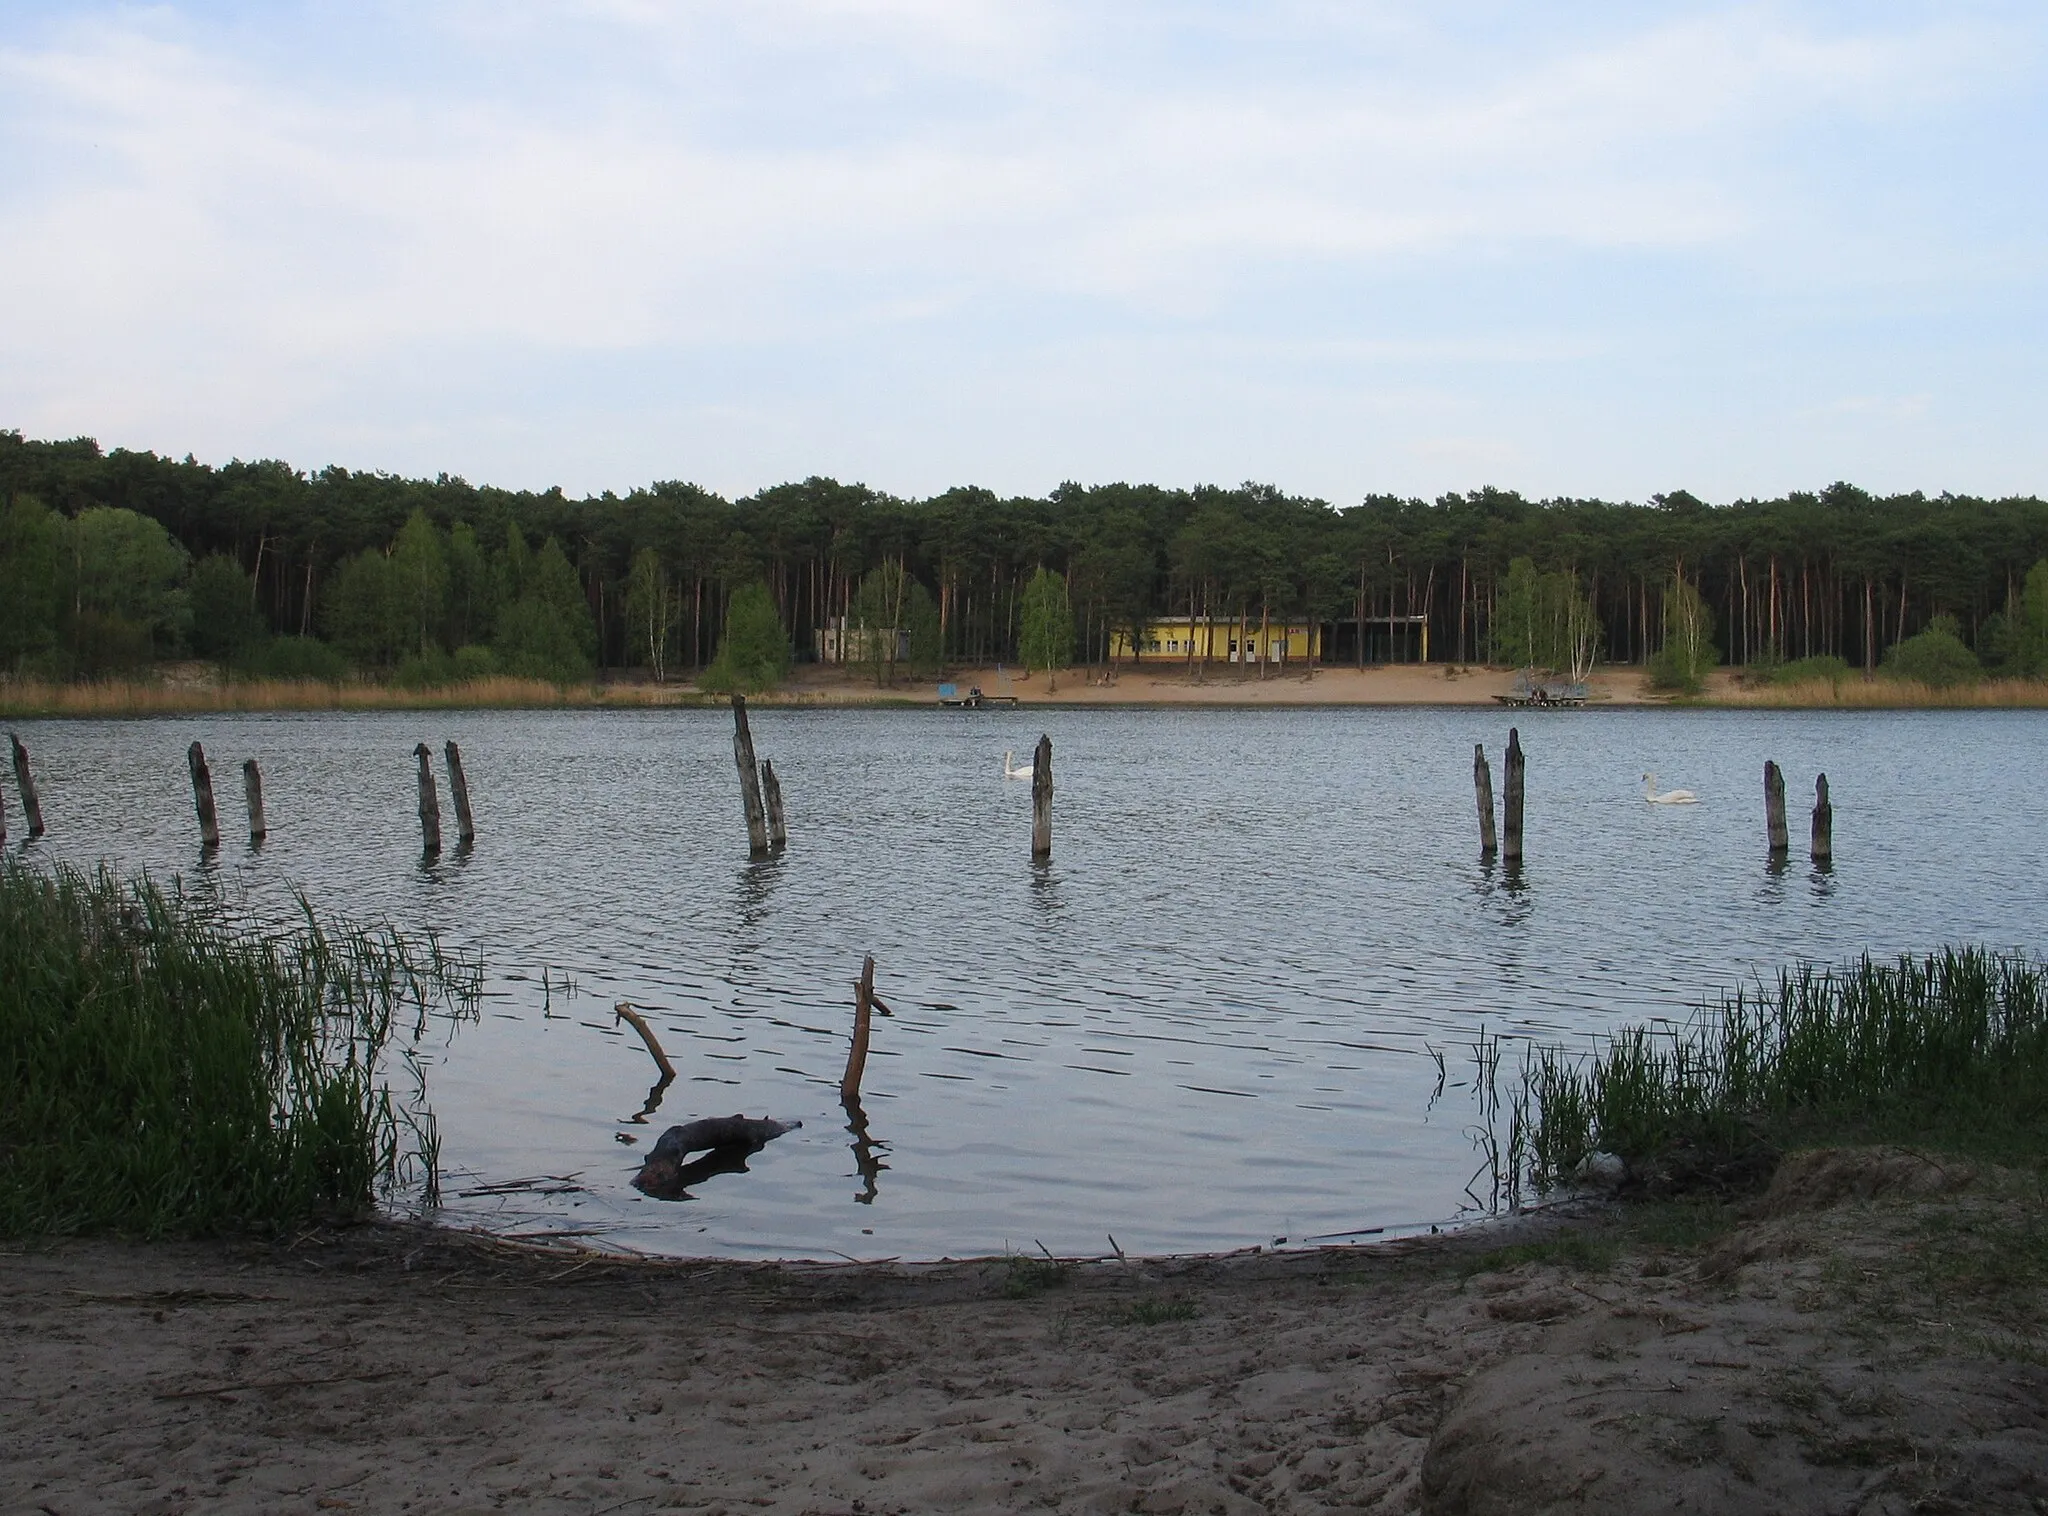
1207,1024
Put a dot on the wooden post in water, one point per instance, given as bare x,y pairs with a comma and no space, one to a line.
1482,786
252,788
1774,809
458,788
202,796
857,1055
1511,801
31,806
771,796
750,779
1823,823
430,800
1041,801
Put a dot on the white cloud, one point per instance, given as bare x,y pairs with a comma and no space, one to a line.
252,239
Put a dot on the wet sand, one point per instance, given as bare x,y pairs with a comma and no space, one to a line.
1801,1361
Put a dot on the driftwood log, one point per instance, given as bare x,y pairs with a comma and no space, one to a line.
725,1141
712,1132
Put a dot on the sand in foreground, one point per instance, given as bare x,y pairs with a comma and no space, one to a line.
1802,1361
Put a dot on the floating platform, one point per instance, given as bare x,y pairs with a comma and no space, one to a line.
973,700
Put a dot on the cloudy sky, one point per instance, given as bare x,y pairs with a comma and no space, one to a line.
1385,245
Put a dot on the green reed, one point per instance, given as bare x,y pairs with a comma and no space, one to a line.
1950,1047
166,1068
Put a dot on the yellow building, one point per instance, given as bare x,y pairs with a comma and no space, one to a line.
1217,639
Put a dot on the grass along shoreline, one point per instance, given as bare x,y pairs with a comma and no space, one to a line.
1948,1049
188,689
167,1070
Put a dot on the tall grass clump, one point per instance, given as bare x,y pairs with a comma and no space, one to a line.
1952,1046
167,1070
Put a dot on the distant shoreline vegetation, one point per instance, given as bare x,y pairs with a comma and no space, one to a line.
441,592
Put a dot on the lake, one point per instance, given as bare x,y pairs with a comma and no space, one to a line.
1212,1021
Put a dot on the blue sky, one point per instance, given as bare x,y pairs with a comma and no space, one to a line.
1589,249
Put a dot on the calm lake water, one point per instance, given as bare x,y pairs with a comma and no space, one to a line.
1207,1024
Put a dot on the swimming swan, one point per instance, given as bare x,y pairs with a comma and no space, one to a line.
1669,797
1014,770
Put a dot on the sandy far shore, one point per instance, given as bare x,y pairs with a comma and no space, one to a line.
1816,1356
1391,684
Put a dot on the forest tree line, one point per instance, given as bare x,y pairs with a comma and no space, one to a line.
110,559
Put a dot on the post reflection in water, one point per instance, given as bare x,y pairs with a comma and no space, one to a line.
754,891
1046,900
654,1094
865,1153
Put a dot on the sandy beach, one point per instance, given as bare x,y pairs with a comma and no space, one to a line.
1222,685
1830,1349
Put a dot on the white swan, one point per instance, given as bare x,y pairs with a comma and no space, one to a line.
1669,797
1015,770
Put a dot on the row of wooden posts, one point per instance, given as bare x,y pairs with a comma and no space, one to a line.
1823,832
761,793
252,790
768,830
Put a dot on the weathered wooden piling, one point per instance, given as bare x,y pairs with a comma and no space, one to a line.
202,796
1774,809
458,790
1041,800
430,800
863,1013
1511,801
31,805
1823,823
252,789
1482,787
750,779
771,796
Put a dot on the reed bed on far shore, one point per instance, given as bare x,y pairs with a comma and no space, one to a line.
1859,693
138,697
167,1070
1951,1048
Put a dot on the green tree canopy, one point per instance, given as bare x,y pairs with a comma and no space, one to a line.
1047,638
753,655
224,619
1688,654
1936,657
31,543
364,611
544,628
